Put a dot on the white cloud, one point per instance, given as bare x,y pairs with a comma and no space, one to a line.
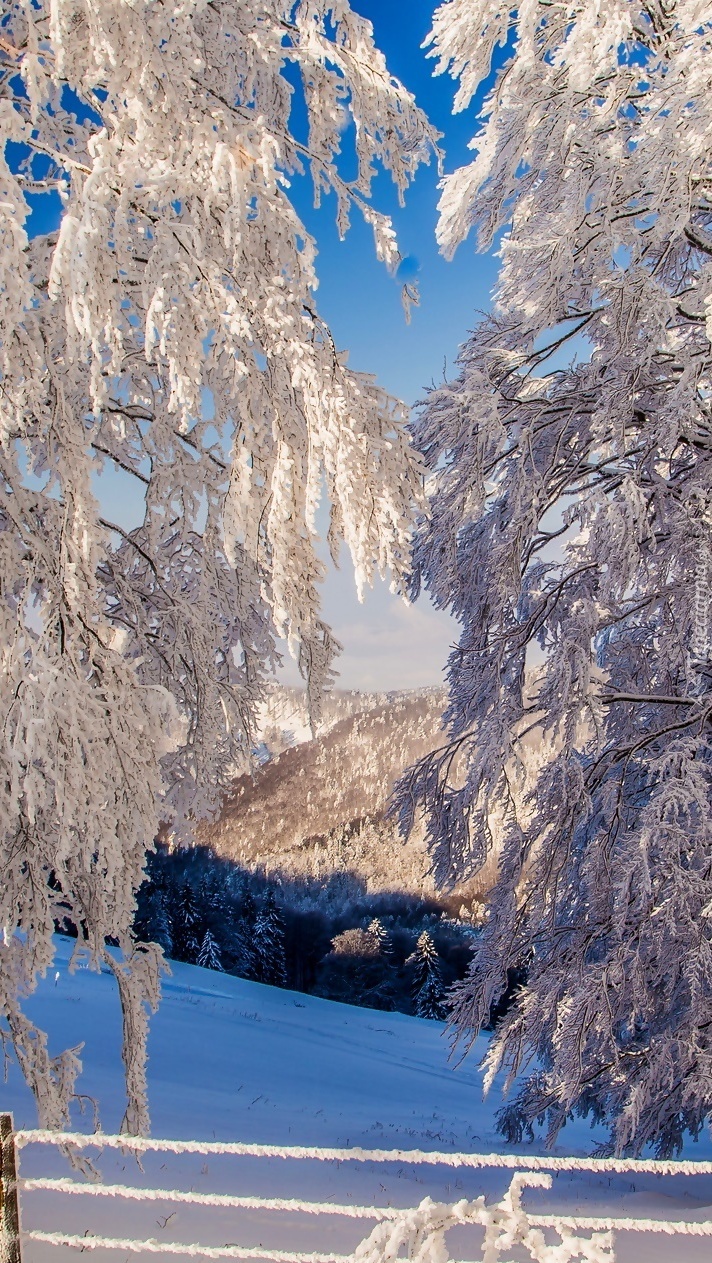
387,644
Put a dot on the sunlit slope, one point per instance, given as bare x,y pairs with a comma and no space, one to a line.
319,806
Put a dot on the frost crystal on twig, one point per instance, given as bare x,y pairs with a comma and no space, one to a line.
419,1235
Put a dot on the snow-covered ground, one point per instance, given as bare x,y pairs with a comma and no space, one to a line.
234,1060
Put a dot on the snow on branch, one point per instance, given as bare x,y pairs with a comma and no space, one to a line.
570,479
419,1235
165,341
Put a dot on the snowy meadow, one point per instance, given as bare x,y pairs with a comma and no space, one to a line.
233,1060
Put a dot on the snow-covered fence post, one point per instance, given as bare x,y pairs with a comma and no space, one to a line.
9,1205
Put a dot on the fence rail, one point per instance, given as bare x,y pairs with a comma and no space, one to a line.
429,1157
416,1234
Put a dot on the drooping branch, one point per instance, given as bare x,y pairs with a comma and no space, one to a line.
569,533
170,328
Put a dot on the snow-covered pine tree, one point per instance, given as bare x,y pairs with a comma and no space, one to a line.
187,930
209,956
571,521
268,944
241,931
242,953
178,273
154,923
248,907
381,935
160,925
428,990
212,892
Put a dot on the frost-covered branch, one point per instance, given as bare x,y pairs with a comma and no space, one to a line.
570,536
168,332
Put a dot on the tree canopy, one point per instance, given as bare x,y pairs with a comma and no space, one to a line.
570,535
168,330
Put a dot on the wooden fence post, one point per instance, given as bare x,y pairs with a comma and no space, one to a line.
9,1203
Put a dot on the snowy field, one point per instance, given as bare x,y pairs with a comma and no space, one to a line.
234,1060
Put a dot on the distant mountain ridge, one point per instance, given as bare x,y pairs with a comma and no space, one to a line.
317,805
284,721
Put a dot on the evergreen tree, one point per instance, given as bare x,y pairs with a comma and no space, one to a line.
209,954
383,938
157,922
186,926
428,990
248,908
242,951
152,922
242,930
212,893
268,943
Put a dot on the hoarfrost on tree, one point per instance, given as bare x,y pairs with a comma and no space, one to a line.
571,511
428,990
180,279
209,954
419,1235
378,931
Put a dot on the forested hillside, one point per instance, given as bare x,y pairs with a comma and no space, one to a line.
319,806
304,879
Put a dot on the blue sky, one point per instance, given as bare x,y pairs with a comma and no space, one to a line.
361,302
386,644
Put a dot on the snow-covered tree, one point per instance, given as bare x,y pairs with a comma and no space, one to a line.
428,990
209,955
571,537
268,944
167,332
186,925
355,971
242,951
377,929
355,942
153,922
242,931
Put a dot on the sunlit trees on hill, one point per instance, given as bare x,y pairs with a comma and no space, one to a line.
570,534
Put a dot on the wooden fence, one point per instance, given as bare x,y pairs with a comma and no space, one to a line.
416,1234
